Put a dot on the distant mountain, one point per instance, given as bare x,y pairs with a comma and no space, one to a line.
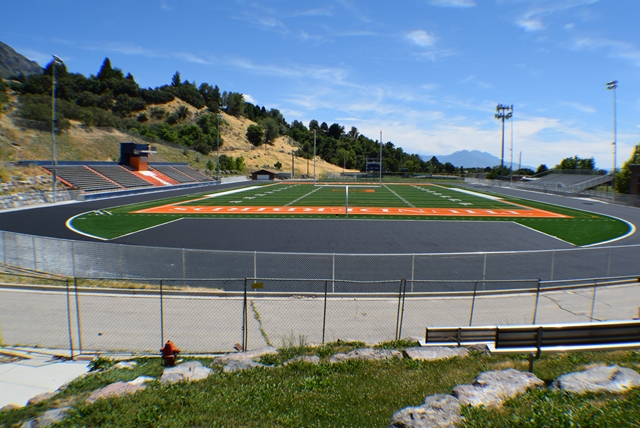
12,63
473,159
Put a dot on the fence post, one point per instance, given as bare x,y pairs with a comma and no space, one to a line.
69,320
35,254
400,315
324,317
161,314
183,268
484,273
255,264
553,264
593,301
4,247
73,258
473,302
333,274
413,270
535,309
78,317
244,317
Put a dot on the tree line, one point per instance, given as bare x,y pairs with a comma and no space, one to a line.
112,99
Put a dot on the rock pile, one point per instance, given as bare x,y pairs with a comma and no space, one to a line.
489,389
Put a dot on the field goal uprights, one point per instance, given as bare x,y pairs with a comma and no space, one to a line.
346,186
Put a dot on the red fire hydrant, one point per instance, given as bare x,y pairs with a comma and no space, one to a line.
169,353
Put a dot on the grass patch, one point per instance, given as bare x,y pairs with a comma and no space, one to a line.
351,393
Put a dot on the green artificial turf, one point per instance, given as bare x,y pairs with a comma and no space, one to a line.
581,228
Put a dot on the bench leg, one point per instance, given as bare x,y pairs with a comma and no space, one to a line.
531,358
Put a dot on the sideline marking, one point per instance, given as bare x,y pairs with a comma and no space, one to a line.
632,230
544,233
230,192
73,229
301,210
479,195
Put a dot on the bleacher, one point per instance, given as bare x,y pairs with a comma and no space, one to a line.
193,173
84,178
121,176
565,182
173,173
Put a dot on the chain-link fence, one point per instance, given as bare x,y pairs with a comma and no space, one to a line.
105,260
111,315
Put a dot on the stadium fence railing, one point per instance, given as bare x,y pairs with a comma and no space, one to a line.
101,297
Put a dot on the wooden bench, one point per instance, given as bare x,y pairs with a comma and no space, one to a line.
535,339
447,336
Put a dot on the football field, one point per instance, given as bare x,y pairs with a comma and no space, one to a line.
421,201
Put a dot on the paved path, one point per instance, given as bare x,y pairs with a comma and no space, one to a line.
132,322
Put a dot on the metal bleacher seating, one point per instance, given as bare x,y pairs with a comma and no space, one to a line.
566,182
84,178
193,173
174,174
121,176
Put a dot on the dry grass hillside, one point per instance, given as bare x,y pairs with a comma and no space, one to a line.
101,144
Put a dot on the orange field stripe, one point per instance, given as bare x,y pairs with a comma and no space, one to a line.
448,212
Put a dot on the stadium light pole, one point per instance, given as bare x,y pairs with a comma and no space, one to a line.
511,152
380,158
612,86
503,112
314,157
218,151
54,160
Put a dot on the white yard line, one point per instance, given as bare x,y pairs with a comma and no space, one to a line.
399,197
231,192
479,195
302,197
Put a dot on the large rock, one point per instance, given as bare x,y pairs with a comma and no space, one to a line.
310,359
490,389
118,389
247,355
599,378
437,411
367,354
434,353
41,397
125,365
47,419
185,372
239,365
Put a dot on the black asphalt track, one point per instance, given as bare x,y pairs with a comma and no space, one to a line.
318,236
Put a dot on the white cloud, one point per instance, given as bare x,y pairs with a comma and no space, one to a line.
324,11
615,48
164,6
453,3
531,20
531,24
248,98
421,38
39,57
580,107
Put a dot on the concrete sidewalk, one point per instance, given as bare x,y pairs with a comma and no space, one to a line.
34,374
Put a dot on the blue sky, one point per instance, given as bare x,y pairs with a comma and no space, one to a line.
428,73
